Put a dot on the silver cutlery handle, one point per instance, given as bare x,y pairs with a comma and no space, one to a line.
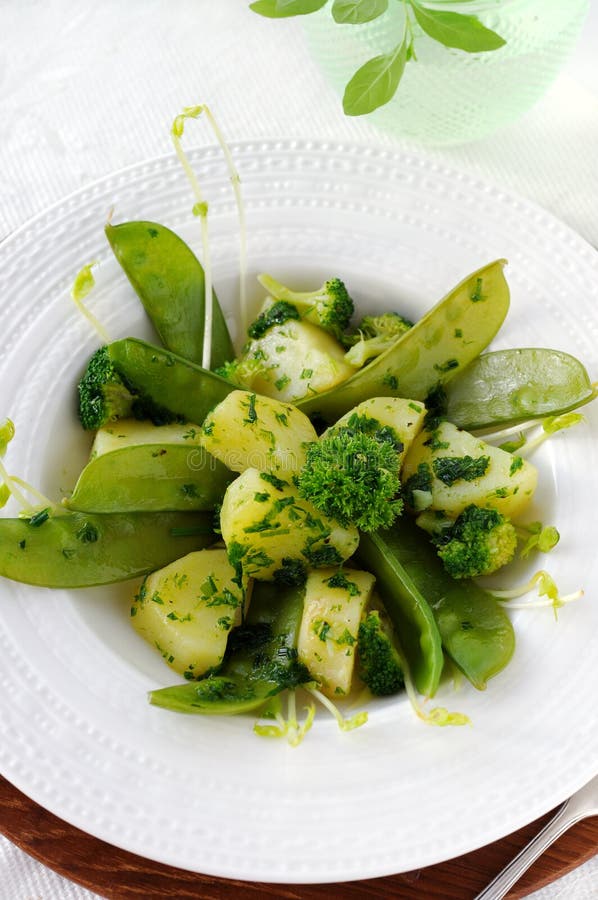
515,869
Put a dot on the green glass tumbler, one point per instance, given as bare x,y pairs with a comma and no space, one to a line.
449,96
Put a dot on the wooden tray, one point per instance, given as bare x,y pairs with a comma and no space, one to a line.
118,875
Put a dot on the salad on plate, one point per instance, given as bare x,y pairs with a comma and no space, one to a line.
316,512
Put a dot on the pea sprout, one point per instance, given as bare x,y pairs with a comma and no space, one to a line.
83,284
546,588
289,727
13,486
200,209
438,715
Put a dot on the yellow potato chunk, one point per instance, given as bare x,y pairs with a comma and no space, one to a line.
298,359
268,528
133,433
248,431
463,469
404,417
187,609
334,604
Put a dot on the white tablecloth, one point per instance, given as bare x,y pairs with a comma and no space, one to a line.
87,87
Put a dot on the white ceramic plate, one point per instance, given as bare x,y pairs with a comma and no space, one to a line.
76,732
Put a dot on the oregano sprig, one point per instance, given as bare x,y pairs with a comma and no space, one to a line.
376,82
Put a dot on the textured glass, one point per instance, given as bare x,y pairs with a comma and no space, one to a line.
450,96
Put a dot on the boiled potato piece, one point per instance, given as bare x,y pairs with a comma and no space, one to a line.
462,469
187,609
334,604
271,531
298,359
404,417
133,433
248,431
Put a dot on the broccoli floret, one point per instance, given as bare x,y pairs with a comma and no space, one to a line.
354,478
330,306
374,336
390,325
379,663
103,395
478,542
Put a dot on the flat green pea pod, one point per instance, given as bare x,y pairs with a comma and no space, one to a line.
407,607
168,381
506,387
261,659
476,632
136,466
442,343
81,550
170,282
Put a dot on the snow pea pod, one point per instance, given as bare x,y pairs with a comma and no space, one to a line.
151,477
170,282
82,549
506,387
169,381
440,344
476,632
261,660
407,607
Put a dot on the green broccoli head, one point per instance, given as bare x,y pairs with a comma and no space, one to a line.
478,543
379,663
374,336
330,306
389,325
353,477
103,395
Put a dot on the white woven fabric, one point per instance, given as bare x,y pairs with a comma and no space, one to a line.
23,878
86,88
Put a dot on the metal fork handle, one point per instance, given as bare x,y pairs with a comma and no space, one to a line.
564,819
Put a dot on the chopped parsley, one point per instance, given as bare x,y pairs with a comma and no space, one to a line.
251,413
516,464
340,580
277,483
277,314
87,534
450,469
40,517
477,295
419,481
281,383
447,366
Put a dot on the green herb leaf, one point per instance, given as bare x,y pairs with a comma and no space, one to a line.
356,12
4,495
375,83
7,432
457,30
280,9
84,282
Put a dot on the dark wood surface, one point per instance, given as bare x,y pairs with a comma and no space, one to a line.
118,875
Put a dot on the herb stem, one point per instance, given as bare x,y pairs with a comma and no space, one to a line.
236,183
11,483
200,209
